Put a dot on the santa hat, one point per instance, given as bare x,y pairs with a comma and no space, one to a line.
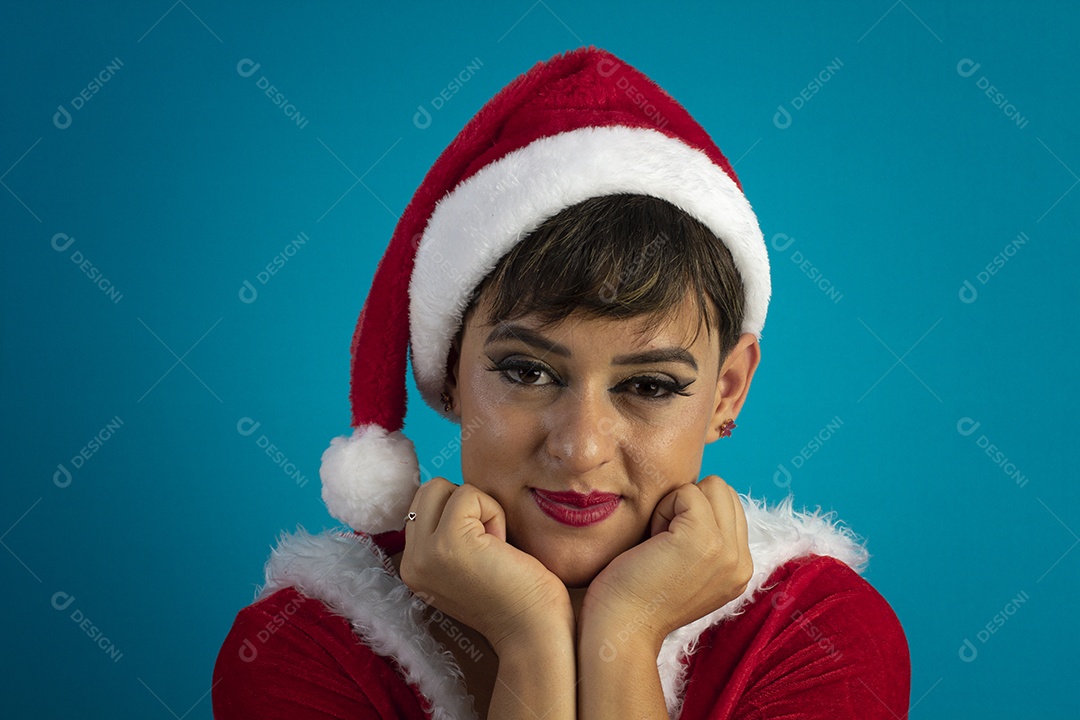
582,124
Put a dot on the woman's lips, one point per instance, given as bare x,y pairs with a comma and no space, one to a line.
575,509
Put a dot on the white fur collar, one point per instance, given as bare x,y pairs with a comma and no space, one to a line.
355,579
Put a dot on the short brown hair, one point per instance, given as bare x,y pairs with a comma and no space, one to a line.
618,256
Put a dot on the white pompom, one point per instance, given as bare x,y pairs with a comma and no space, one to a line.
369,479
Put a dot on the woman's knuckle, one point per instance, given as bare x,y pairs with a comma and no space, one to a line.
713,483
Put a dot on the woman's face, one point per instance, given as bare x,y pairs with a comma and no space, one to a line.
579,429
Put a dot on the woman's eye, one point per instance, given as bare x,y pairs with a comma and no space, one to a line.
527,375
518,372
650,388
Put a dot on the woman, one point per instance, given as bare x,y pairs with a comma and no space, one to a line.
582,285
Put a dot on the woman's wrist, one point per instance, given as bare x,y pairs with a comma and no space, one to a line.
609,637
537,673
618,672
550,631
607,626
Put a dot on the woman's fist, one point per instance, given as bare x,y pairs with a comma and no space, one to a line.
456,556
696,560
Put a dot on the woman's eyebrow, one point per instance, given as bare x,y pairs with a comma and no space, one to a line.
505,331
671,354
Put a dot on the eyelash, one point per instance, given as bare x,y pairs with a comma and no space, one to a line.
670,387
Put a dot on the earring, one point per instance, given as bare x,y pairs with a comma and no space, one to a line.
447,401
726,428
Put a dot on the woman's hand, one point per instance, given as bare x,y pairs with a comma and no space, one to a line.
696,560
456,557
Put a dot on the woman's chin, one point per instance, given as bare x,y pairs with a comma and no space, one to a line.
576,577
576,566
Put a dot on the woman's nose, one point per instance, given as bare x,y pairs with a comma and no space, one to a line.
582,429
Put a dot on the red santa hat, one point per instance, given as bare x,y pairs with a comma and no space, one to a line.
582,124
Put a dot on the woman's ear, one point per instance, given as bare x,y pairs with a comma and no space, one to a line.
733,383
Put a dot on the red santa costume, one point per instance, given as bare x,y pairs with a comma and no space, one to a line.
334,633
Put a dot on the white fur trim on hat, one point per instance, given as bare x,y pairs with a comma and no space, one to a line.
369,478
478,222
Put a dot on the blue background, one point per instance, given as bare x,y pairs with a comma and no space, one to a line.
899,179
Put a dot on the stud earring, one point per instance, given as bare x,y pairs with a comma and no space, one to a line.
447,401
726,428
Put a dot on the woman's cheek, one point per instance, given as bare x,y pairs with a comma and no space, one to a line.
664,458
492,450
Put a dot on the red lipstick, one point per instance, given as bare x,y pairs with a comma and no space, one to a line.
575,509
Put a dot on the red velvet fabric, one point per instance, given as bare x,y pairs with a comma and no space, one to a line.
821,642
